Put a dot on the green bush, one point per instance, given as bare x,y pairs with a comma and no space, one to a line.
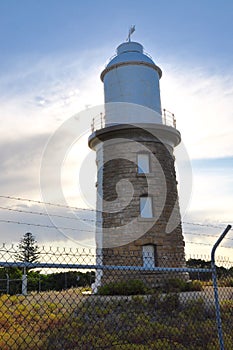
131,287
226,282
135,287
169,303
194,285
195,310
176,285
141,325
227,308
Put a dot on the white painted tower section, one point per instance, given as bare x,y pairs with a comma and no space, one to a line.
99,219
132,77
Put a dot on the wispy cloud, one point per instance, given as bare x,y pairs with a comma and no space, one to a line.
62,225
202,104
20,164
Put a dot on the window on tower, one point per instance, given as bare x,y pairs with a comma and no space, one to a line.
146,209
143,162
149,256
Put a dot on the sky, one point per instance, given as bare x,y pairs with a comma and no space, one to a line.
52,54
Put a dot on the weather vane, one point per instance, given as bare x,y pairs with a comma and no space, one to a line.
131,31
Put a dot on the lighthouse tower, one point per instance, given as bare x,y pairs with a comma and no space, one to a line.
138,217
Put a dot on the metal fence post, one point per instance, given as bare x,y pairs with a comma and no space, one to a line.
7,284
24,282
215,285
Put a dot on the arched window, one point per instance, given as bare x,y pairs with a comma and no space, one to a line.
146,209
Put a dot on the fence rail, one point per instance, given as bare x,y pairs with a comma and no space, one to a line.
100,267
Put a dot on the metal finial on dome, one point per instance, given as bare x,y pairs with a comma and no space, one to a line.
131,31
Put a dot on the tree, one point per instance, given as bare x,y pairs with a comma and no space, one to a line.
28,249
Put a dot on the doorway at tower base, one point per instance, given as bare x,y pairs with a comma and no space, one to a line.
124,265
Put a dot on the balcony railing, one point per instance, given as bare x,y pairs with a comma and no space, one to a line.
99,121
168,118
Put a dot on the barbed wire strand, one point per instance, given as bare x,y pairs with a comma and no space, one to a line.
204,235
204,225
207,244
85,230
81,218
46,214
46,203
88,209
45,226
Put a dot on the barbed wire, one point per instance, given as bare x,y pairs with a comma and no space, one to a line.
93,220
91,210
47,203
45,226
204,225
205,235
207,244
46,214
80,218
92,231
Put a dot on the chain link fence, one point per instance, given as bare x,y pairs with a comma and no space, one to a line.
50,304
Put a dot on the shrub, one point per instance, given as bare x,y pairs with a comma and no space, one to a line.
131,287
176,285
169,303
227,308
195,310
226,282
194,285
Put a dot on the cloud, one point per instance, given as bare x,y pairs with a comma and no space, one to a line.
212,195
39,93
202,104
20,164
17,218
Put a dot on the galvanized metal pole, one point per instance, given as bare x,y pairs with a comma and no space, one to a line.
24,284
215,285
24,281
7,284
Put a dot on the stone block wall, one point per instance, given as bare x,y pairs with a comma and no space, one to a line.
124,232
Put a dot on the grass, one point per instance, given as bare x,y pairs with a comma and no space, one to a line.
70,321
26,321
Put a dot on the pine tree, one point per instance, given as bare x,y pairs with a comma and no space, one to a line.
28,249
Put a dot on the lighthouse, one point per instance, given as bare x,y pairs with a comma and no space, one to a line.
138,219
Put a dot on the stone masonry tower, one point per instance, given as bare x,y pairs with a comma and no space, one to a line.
138,217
